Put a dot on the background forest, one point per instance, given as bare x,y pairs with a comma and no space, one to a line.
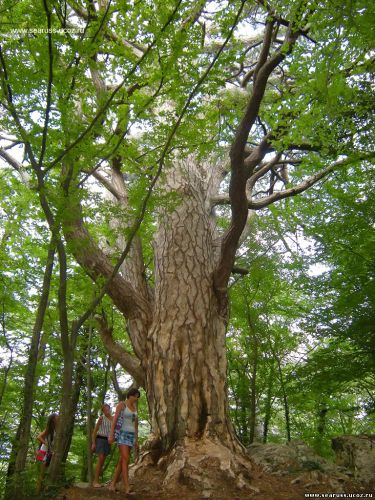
301,330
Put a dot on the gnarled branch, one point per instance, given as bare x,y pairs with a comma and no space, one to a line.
118,354
242,166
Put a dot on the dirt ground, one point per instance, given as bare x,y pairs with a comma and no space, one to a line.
264,487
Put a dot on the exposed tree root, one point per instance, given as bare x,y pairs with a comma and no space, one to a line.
201,465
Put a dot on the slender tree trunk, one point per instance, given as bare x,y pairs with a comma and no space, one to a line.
253,406
104,389
63,431
10,361
244,408
268,406
285,399
89,408
12,486
28,396
78,384
321,426
253,383
18,456
240,410
68,343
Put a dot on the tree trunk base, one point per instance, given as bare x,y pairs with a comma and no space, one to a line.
203,466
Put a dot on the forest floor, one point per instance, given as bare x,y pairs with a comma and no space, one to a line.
264,487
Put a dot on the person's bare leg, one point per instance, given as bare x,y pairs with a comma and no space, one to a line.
116,476
124,456
42,473
98,469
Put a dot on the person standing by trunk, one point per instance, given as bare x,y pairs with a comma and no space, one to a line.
100,442
125,422
46,438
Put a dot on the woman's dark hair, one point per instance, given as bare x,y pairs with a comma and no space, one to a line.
133,392
51,425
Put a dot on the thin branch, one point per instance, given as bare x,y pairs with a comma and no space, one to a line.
11,146
107,184
267,40
306,184
224,199
138,49
262,171
102,21
9,97
49,85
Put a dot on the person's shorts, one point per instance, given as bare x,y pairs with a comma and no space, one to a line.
102,446
127,438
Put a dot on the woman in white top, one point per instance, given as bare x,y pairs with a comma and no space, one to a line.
100,442
127,434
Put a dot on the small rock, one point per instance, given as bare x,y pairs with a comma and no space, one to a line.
296,480
82,485
312,484
162,462
206,494
240,483
254,489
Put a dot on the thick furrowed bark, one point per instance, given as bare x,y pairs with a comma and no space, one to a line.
186,380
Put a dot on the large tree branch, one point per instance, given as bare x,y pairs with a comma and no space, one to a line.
98,266
118,354
16,165
260,172
242,165
239,208
266,46
133,268
280,20
259,88
106,183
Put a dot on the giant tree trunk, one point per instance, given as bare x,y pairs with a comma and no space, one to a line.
185,362
186,358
